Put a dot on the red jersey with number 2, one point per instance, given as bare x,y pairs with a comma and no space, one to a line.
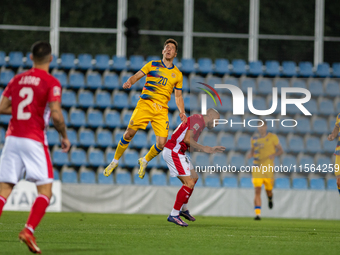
30,93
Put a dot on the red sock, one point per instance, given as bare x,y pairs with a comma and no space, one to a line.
2,203
182,196
37,211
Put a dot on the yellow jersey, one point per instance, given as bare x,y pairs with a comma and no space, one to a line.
160,82
263,148
337,123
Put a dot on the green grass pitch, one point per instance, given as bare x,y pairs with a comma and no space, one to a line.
85,233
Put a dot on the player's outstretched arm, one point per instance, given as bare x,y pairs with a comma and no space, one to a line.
334,133
133,79
59,124
5,105
180,105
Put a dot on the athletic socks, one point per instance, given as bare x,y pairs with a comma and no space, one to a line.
153,152
258,210
183,196
2,203
184,207
37,212
122,146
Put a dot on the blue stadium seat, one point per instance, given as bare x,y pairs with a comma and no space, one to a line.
172,103
52,137
77,117
175,61
54,63
296,144
272,68
78,157
93,80
221,66
289,68
311,106
328,146
119,63
323,70
264,87
96,157
104,138
231,81
111,81
67,60
109,155
159,179
255,68
120,100
3,134
306,69
299,183
28,62
139,181
303,126
212,182
191,103
136,63
150,58
209,139
15,59
68,98
2,58
326,107
243,142
227,140
102,62
59,157
239,67
237,160
316,88
289,161
331,184
214,80
318,184
323,162
188,65
313,145
69,177
299,84
282,183
84,61
306,160
229,182
102,99
123,178
336,70
225,107
112,119
130,158
56,175
174,181
281,83
248,83
259,103
85,98
195,85
4,119
6,76
77,80
134,98
102,179
86,137
219,159
332,89
235,127
87,177
246,182
185,86
65,115
205,65
95,118
139,140
201,159
62,78
126,116
72,136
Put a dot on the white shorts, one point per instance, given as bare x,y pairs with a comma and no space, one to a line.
20,155
179,164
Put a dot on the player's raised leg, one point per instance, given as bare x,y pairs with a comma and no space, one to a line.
122,146
5,191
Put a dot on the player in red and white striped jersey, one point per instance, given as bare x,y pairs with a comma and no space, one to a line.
185,138
31,97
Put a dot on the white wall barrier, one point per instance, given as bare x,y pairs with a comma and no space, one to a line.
307,204
24,194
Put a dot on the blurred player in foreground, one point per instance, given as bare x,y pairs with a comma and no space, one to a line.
185,138
162,77
264,148
31,97
331,137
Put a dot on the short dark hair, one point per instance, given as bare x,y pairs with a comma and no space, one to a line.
40,51
173,41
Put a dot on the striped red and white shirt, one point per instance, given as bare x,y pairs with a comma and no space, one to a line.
195,123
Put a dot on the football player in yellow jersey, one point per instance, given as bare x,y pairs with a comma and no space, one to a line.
331,137
162,78
264,148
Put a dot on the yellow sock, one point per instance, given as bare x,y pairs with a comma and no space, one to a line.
258,210
122,146
153,152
